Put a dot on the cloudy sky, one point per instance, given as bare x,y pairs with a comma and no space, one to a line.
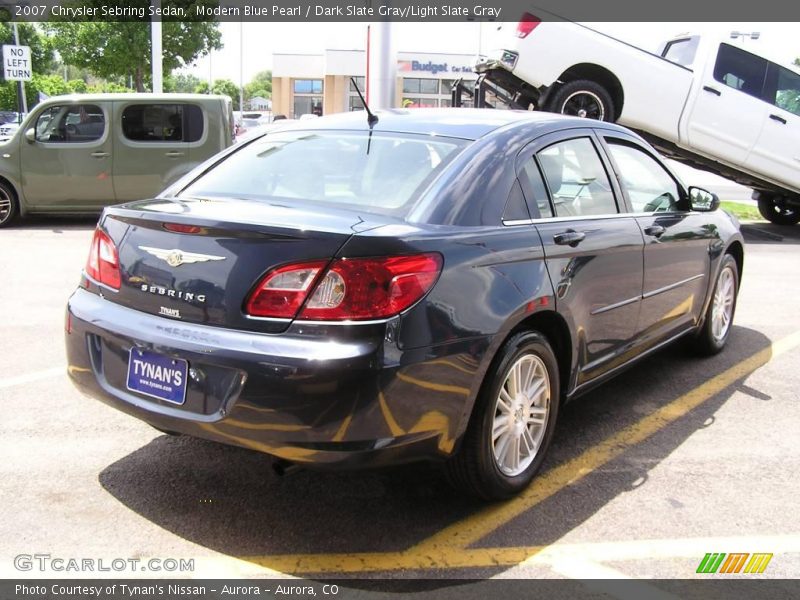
261,40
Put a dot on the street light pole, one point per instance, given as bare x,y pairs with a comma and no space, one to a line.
155,46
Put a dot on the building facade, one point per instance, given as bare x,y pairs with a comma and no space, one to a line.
320,83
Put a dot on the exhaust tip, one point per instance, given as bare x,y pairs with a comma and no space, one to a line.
284,468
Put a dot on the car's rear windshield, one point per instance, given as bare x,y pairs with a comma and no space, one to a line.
383,172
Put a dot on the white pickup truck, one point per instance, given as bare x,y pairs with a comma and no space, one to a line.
703,100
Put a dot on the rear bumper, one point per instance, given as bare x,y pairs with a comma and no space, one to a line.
324,395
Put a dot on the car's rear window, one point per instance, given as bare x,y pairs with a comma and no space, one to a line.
381,171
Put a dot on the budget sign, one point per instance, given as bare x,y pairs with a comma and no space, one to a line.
17,63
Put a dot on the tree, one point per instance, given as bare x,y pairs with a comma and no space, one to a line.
227,88
261,85
182,82
122,48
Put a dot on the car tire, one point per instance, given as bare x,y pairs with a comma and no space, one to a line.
777,213
509,433
718,321
583,98
8,204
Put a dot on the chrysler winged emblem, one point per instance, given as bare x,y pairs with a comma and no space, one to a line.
175,257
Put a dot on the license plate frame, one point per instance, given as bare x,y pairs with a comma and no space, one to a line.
147,371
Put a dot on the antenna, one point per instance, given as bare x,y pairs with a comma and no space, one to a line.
372,118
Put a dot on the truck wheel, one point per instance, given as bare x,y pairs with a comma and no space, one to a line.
8,204
774,210
583,98
512,422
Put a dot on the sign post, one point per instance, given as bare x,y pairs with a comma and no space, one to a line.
17,67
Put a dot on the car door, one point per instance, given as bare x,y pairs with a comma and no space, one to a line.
150,146
69,164
776,154
728,112
592,252
677,241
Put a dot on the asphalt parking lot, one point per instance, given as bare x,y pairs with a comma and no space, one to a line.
676,458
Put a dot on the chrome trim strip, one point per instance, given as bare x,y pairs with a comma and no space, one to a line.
609,307
671,286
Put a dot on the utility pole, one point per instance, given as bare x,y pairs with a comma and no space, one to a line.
155,46
22,101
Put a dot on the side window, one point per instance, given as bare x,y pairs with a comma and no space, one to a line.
681,52
783,88
162,122
740,70
578,182
533,176
516,209
650,188
73,123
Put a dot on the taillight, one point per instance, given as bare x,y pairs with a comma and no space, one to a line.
350,289
281,292
103,262
527,23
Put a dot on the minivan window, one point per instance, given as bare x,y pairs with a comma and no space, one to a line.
740,70
70,123
162,122
783,88
578,182
381,171
681,52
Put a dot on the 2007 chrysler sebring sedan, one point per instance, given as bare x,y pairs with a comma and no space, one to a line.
433,285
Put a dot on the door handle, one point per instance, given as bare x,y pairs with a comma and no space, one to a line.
778,119
174,154
569,238
100,154
714,91
655,230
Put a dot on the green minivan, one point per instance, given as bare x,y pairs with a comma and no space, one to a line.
77,154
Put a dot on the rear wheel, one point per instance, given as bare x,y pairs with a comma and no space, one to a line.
775,210
8,204
583,98
719,316
512,422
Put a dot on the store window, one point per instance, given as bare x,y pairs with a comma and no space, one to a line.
412,85
307,86
307,105
419,102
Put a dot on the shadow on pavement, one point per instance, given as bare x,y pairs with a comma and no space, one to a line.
56,224
229,500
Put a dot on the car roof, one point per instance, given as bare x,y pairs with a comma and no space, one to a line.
127,97
465,123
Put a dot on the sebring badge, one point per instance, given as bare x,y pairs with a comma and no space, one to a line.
175,257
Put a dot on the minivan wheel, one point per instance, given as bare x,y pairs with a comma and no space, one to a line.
717,326
8,204
512,422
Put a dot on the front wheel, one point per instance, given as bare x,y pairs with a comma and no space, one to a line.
716,328
775,210
8,204
583,98
512,422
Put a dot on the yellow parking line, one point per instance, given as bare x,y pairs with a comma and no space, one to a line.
473,528
449,547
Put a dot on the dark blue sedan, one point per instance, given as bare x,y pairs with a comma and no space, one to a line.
430,286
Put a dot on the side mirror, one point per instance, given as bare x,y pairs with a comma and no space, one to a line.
703,200
30,135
